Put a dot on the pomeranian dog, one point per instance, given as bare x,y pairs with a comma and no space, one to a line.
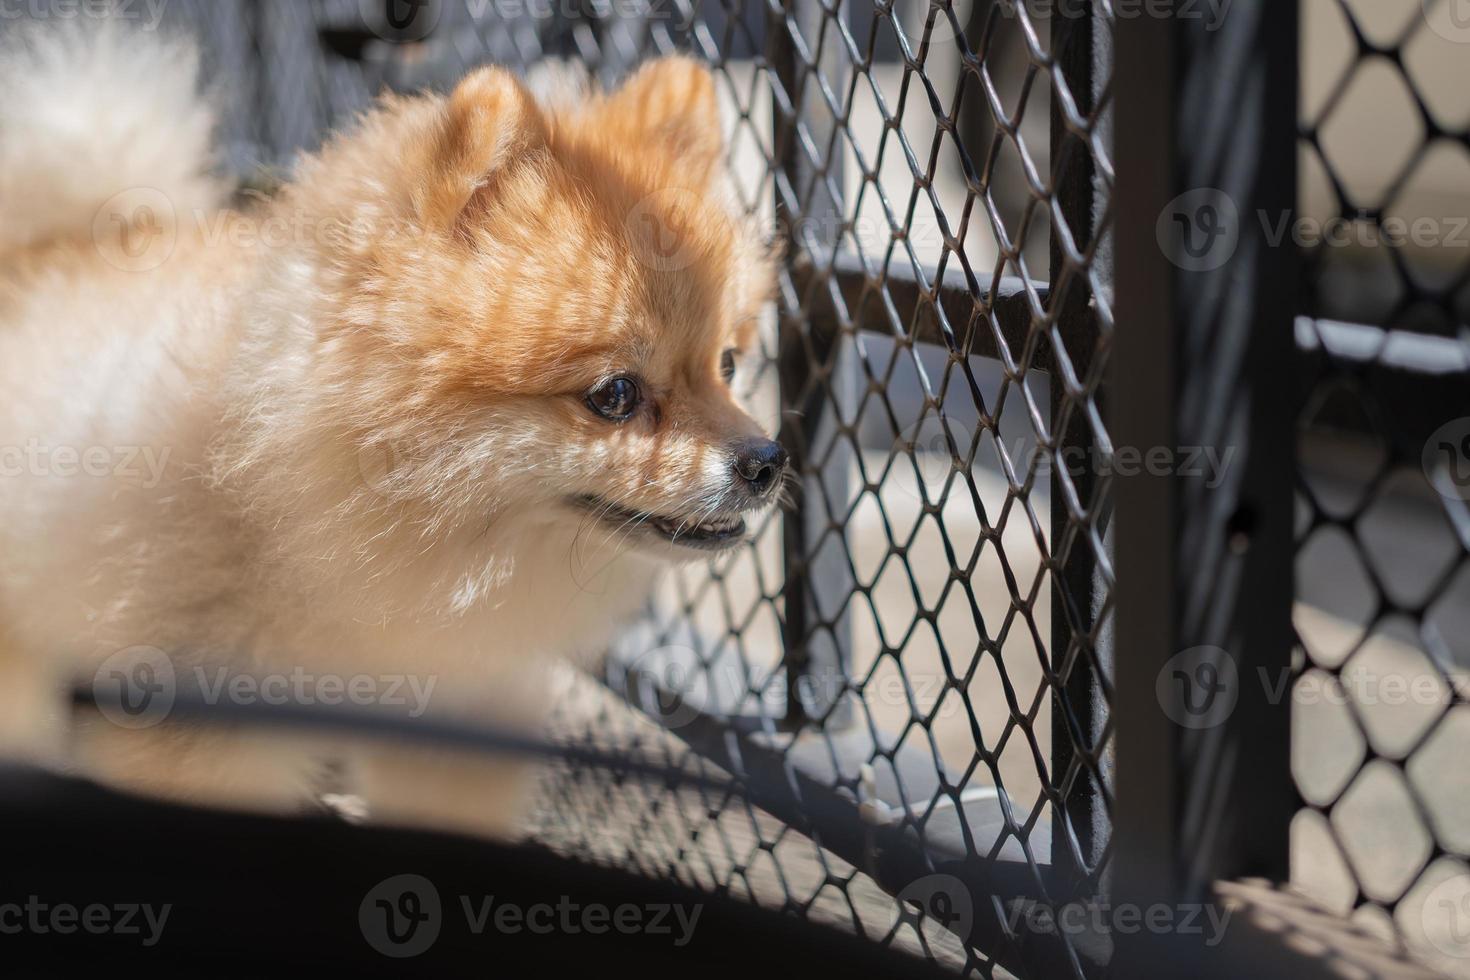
427,419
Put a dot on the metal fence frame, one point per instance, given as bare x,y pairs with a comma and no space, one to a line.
1204,358
1209,356
1200,358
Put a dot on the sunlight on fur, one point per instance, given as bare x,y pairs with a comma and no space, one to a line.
438,409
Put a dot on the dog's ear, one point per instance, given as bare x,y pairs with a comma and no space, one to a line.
670,105
491,123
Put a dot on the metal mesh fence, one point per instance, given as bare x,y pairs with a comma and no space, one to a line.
919,634
920,638
908,672
906,668
1381,726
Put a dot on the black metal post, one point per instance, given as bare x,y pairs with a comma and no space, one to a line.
1204,359
1079,42
808,200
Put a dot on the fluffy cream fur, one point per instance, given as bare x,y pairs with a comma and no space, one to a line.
344,433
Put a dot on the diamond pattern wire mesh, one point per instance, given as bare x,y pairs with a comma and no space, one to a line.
1381,723
940,173
930,494
941,584
925,521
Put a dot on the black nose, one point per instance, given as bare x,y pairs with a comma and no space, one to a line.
760,463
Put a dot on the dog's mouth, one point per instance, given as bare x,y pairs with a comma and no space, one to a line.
710,534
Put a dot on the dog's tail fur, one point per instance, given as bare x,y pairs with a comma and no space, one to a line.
94,120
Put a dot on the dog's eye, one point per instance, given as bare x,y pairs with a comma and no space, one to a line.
615,399
727,365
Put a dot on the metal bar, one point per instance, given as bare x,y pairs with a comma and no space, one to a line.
1368,283
809,209
1078,708
1204,357
1420,375
814,781
192,707
1417,380
901,299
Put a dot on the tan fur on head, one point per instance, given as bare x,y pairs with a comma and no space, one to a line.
491,124
495,269
382,447
671,105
